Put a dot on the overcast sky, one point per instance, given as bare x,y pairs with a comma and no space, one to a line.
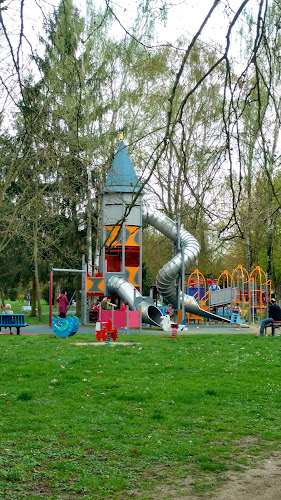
184,17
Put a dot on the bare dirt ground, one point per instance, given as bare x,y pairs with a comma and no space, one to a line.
260,483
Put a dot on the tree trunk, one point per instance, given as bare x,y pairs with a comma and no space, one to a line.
33,299
38,293
35,263
2,298
89,223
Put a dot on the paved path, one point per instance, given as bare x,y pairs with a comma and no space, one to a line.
192,330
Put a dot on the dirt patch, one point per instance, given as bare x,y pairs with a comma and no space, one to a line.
260,483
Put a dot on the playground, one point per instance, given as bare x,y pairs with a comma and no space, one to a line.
239,297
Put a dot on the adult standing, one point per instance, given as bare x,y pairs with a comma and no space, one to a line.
274,314
63,302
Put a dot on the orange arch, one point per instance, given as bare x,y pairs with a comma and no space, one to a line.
260,288
196,275
225,279
241,274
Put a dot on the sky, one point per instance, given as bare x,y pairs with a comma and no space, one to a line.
184,17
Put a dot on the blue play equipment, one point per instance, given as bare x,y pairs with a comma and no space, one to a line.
199,292
65,327
235,317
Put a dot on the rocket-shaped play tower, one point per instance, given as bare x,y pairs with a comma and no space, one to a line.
121,240
121,222
120,263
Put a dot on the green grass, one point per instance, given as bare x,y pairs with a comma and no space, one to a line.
101,422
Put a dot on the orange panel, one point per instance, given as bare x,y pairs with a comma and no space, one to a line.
133,275
132,236
95,285
113,236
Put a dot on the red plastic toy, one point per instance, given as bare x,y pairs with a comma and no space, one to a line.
102,333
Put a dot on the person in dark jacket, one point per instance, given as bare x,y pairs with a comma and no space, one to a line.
62,301
274,314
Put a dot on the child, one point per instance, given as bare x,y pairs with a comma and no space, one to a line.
104,304
8,310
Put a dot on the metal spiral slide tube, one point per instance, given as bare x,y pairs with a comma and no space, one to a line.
166,277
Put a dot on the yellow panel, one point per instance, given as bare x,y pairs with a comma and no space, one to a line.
113,235
133,275
95,285
132,236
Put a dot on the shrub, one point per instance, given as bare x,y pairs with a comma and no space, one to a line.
20,296
45,294
13,293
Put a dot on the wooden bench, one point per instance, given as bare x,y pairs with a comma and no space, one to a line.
273,325
12,321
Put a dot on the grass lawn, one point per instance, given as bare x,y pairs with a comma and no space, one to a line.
110,422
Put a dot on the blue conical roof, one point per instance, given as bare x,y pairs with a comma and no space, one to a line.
122,177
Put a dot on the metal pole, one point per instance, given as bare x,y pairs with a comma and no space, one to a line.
253,299
179,279
84,291
242,291
140,321
51,295
140,257
127,318
71,270
123,231
112,318
182,282
249,301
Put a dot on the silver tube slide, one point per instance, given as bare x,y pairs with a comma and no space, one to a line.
126,291
166,277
